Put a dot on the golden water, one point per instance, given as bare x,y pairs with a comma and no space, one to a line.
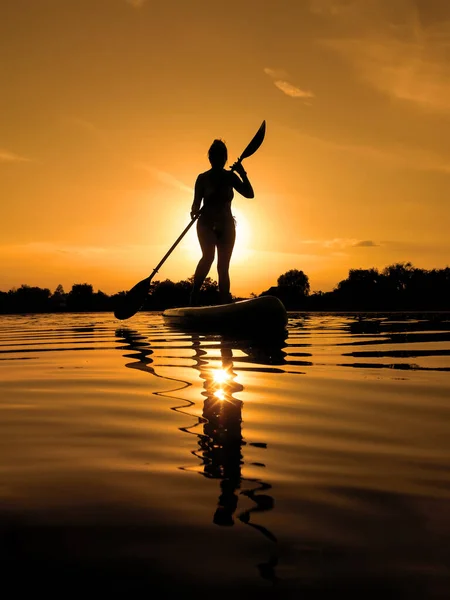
135,457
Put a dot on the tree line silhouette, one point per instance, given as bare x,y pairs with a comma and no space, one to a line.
400,286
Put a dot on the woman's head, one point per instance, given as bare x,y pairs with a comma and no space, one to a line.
218,154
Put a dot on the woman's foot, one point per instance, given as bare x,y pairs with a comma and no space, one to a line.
226,298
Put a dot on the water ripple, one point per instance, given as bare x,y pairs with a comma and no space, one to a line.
163,440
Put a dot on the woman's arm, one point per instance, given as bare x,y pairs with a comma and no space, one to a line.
198,197
243,186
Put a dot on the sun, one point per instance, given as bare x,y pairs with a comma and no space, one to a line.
241,250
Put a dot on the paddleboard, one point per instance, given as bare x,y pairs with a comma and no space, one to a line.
262,314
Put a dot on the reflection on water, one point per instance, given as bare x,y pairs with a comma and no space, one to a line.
220,441
420,335
146,457
220,444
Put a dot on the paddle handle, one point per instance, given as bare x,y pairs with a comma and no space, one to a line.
172,247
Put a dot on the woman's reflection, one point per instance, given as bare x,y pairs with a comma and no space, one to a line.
221,441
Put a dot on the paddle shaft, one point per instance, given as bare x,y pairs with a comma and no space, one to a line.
172,248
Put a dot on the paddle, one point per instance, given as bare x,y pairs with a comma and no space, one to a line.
131,302
255,143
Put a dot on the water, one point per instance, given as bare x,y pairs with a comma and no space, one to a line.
136,458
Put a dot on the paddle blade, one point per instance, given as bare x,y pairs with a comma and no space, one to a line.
255,143
128,305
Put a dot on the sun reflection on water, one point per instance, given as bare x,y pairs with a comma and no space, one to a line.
221,376
220,443
220,379
219,394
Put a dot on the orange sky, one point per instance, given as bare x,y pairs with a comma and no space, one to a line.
108,108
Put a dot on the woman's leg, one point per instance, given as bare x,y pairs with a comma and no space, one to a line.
225,247
207,239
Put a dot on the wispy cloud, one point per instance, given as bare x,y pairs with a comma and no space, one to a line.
47,248
366,244
291,90
11,157
406,157
165,177
339,247
393,155
67,251
276,73
340,243
394,48
279,78
404,70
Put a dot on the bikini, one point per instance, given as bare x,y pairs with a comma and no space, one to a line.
216,212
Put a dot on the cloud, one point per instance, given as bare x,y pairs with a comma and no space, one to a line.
276,73
398,47
365,244
393,155
340,243
136,3
11,157
407,157
74,252
407,71
46,248
165,177
280,77
291,90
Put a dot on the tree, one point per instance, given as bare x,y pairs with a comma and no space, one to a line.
81,297
362,289
399,275
295,279
58,299
292,289
30,299
365,277
168,294
59,291
102,301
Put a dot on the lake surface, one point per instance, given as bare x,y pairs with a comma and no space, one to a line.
140,459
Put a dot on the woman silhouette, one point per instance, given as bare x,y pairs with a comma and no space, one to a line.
216,224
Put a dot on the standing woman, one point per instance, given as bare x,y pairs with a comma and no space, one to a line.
216,225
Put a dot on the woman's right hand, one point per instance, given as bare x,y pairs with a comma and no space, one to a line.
237,166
